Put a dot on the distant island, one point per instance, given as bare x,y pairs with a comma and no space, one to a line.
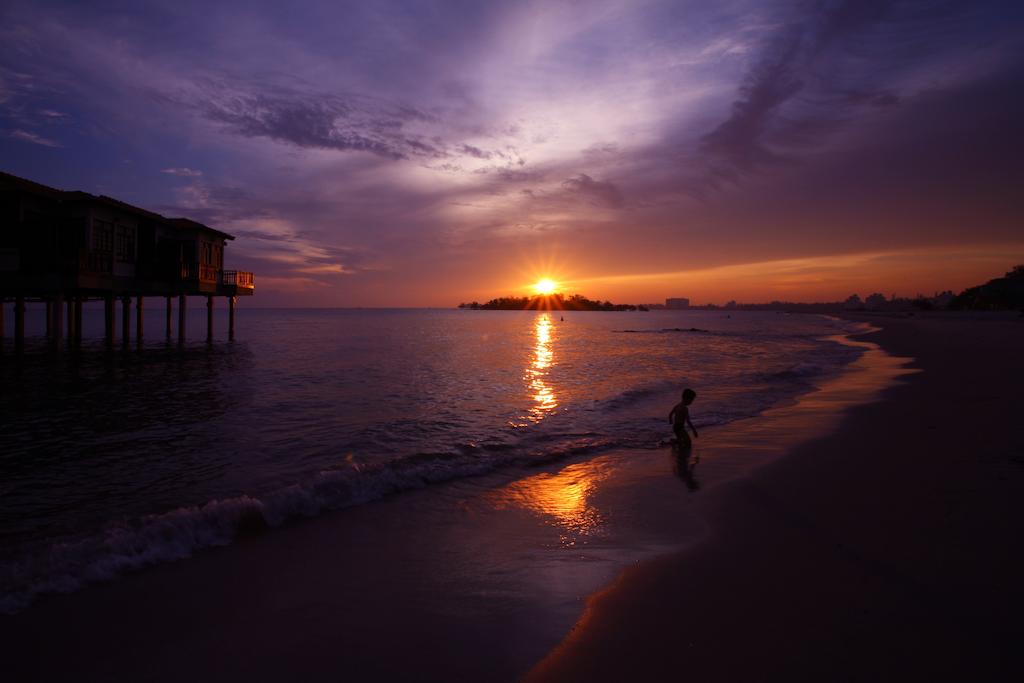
575,302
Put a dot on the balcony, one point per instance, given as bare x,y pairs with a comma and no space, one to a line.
236,282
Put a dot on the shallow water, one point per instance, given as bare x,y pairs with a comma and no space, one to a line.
115,460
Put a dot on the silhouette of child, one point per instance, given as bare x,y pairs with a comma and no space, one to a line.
680,416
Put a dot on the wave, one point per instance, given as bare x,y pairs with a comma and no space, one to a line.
638,394
66,566
666,330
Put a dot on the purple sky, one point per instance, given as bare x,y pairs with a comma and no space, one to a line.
414,153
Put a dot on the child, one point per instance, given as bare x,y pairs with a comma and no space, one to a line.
680,416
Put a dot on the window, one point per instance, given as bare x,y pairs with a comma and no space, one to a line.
124,245
102,236
207,251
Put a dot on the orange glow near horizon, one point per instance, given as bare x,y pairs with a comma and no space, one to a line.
827,277
819,278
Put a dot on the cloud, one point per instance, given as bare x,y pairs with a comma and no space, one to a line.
28,136
796,92
183,172
603,192
321,121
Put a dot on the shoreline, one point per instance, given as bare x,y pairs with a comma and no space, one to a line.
475,579
887,549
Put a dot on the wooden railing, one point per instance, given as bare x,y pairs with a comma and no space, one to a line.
239,278
103,262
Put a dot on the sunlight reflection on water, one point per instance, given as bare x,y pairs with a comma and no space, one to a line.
562,497
537,373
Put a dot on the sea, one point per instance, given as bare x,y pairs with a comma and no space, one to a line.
113,460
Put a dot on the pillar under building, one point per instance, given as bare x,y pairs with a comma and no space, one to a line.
231,317
1,318
168,318
57,324
139,306
78,320
126,319
19,323
209,318
109,325
182,300
71,319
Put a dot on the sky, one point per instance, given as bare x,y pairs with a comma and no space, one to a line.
426,153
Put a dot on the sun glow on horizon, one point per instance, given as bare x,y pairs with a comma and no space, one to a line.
545,286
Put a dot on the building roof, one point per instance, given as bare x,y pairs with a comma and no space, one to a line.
71,196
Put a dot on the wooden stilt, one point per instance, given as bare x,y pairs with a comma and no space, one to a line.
49,319
71,319
78,320
58,318
138,319
109,326
182,300
19,323
126,320
168,321
231,317
209,318
1,318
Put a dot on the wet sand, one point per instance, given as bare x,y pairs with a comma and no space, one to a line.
883,548
889,550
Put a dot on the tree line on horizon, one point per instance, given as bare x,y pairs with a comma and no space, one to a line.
557,301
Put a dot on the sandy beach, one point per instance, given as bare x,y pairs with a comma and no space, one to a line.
880,542
888,550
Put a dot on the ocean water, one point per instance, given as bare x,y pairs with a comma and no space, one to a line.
116,460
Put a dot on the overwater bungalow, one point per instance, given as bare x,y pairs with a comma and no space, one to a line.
68,247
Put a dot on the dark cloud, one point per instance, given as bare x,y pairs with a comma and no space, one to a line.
321,122
470,150
743,141
602,192
817,74
263,235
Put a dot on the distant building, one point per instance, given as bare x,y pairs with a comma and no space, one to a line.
677,304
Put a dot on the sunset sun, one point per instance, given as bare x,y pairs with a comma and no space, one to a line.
545,286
